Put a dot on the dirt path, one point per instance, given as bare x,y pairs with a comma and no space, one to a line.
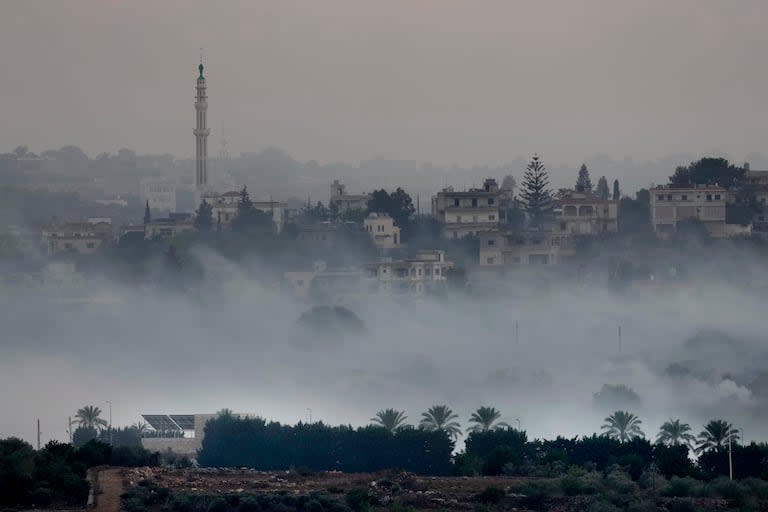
110,487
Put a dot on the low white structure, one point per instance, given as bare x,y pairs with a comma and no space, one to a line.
159,192
224,208
671,205
498,249
381,227
410,276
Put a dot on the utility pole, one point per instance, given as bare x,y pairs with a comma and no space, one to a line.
730,454
110,422
619,338
517,332
310,415
69,428
38,434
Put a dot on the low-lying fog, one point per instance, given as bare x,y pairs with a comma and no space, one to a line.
237,345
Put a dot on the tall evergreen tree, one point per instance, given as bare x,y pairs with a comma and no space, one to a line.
602,189
147,214
583,182
204,217
534,192
616,191
248,216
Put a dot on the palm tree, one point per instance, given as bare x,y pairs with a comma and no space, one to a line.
441,417
674,433
716,434
140,427
390,419
486,418
623,426
89,417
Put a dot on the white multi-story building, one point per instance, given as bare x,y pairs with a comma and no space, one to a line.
381,227
498,249
159,192
168,227
671,205
411,276
470,212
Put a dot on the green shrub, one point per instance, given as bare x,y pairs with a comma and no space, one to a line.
359,500
685,487
219,505
41,497
498,458
491,496
602,505
573,485
248,504
134,504
620,482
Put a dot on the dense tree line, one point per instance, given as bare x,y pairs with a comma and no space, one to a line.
56,474
253,442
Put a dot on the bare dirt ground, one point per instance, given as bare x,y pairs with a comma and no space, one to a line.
110,487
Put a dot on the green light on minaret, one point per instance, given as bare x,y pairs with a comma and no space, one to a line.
200,67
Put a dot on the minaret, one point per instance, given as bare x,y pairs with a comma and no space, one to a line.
201,132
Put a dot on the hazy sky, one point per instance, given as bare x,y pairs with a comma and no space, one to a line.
443,80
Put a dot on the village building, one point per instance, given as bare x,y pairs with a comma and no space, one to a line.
224,208
581,213
500,249
169,227
342,201
411,276
76,237
671,205
381,227
469,212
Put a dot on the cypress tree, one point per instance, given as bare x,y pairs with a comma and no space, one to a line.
602,188
583,182
616,191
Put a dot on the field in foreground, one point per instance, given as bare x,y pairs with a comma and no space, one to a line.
242,490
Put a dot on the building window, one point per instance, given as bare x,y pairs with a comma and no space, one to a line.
419,272
90,245
456,202
717,197
669,197
491,201
437,271
491,242
659,197
492,217
684,197
563,226
458,218
490,260
474,202
709,197
474,218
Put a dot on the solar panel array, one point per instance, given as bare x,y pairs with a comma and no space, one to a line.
170,422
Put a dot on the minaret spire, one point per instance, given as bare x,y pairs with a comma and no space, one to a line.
201,131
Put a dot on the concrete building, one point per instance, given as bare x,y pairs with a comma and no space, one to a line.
181,433
411,276
224,208
344,201
499,249
470,212
169,227
75,237
580,213
159,192
381,227
671,205
758,180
